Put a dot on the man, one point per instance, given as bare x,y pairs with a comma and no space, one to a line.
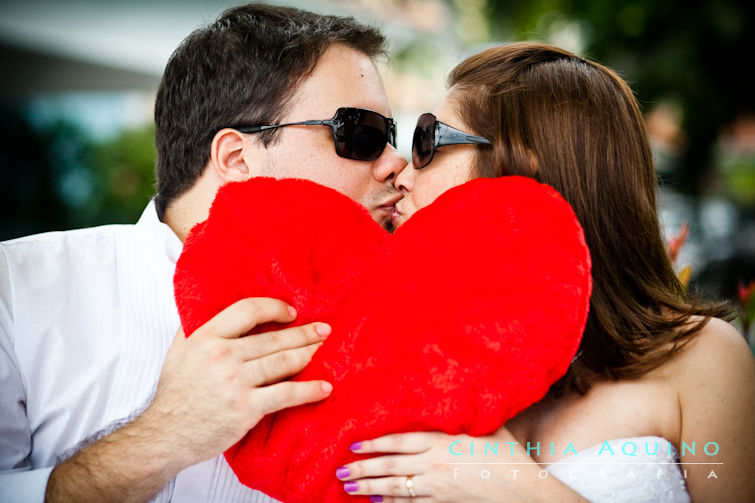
86,317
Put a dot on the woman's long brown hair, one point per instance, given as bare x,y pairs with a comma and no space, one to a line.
576,126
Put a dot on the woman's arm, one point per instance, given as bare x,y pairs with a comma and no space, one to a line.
715,376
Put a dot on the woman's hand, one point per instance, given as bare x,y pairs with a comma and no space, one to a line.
423,456
449,468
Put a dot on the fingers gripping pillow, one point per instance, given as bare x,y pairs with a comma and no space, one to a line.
459,320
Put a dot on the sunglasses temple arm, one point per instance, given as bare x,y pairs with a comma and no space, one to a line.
257,129
446,135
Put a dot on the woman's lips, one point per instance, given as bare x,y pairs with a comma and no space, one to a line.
388,210
383,215
397,217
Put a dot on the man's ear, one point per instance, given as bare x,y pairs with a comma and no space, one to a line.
229,155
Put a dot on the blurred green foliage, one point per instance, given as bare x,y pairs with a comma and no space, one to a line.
738,177
59,177
124,170
695,53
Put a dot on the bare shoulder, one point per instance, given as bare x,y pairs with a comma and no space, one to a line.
714,376
718,352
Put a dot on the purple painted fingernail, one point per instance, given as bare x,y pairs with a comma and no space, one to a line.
343,473
350,487
356,446
376,499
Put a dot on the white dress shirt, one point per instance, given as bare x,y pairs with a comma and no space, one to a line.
86,318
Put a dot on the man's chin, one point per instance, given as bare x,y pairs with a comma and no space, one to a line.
386,223
384,217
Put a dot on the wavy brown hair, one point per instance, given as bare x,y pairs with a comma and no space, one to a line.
576,126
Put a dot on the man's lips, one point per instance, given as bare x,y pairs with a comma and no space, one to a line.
385,213
389,206
391,202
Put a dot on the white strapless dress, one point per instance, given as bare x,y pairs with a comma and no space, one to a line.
653,474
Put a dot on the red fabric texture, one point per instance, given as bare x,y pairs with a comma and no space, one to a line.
456,322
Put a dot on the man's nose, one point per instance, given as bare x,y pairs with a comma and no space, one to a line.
388,165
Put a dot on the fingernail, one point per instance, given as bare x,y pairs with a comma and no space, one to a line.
376,499
343,473
356,446
323,329
350,487
327,387
292,310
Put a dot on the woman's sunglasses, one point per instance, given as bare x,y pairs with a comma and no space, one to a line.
431,134
358,134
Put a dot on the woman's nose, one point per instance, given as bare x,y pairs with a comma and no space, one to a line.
404,181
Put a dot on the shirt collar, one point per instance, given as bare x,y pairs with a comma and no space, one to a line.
159,233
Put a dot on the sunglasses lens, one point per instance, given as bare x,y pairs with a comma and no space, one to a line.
361,134
423,143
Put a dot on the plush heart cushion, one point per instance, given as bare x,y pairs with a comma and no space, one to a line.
459,320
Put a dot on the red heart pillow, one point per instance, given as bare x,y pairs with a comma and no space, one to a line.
459,320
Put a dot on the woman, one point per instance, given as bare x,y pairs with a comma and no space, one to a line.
653,368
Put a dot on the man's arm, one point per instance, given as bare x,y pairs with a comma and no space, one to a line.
214,387
17,482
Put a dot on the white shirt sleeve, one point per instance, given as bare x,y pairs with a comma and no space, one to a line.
27,486
17,481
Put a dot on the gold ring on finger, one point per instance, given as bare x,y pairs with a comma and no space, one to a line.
410,486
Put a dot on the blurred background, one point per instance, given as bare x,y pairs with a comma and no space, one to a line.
80,76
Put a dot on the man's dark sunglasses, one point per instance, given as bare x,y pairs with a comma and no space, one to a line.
431,134
357,133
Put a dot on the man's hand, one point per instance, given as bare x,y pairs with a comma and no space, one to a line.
214,387
217,385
